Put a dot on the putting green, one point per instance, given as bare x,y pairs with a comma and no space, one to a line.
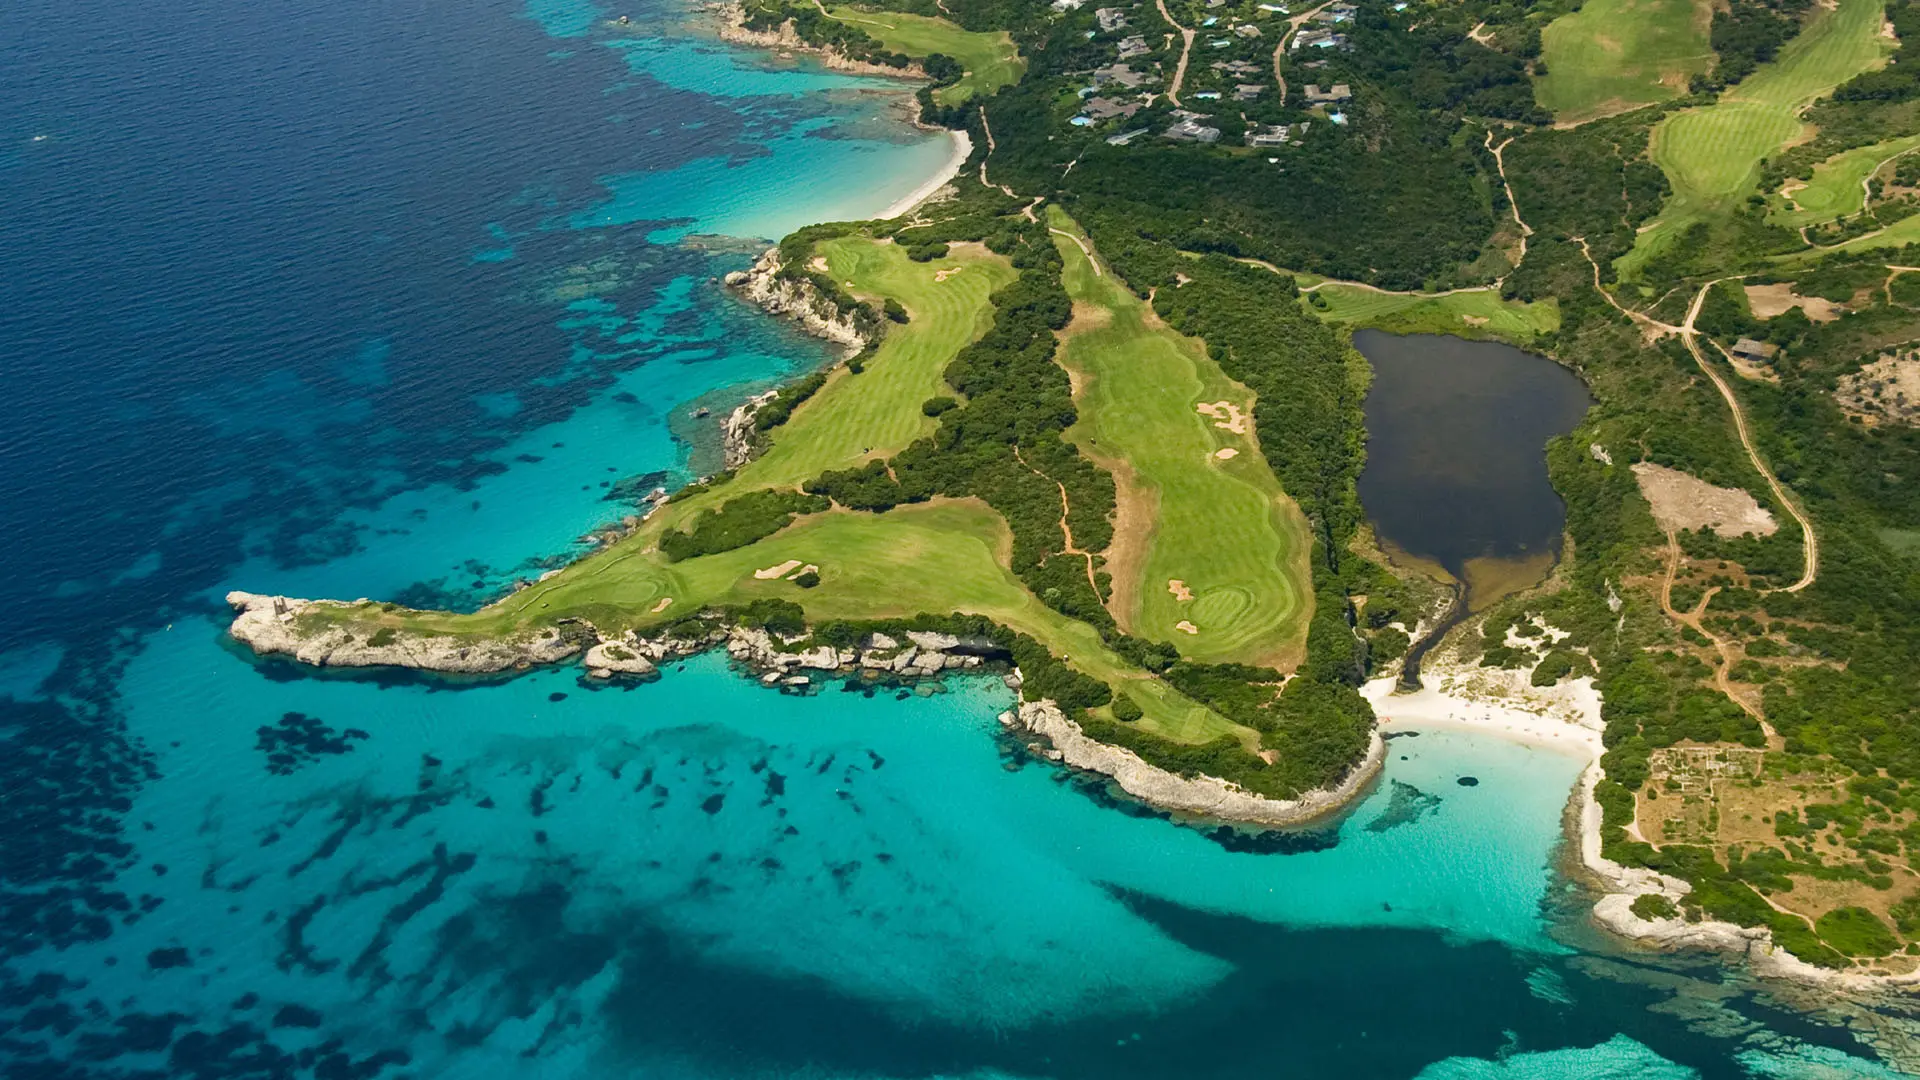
1218,526
1712,155
1838,186
1614,55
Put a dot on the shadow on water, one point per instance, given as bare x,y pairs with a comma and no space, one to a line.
1456,476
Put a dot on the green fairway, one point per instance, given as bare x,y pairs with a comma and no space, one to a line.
1481,312
876,414
991,60
1614,55
1712,155
1837,187
1899,234
1218,526
940,557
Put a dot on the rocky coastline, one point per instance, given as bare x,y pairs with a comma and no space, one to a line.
273,626
794,297
1200,795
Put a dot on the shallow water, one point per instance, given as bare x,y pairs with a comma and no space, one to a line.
387,308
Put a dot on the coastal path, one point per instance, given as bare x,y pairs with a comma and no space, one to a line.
1513,204
1186,50
1722,679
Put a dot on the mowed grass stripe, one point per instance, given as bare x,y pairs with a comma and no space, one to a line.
1222,527
1616,55
1712,155
1464,312
876,414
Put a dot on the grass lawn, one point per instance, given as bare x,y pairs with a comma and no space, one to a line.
1221,526
876,414
944,556
1472,314
1836,188
1711,155
1616,55
991,60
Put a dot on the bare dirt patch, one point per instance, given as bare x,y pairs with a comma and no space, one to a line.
1770,300
1179,590
1885,391
1225,414
1681,501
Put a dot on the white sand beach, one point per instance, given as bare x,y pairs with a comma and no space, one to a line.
962,149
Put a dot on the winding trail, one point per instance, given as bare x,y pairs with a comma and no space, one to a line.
1694,620
987,130
1809,542
1280,51
1186,49
1513,205
1065,530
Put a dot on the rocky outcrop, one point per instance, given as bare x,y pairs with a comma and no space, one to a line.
797,299
299,628
737,441
1202,795
881,654
786,39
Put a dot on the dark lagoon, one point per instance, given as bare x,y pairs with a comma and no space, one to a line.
1456,470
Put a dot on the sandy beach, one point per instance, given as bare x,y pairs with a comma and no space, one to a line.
962,149
1539,724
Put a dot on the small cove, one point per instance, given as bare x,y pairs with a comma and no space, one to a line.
1456,475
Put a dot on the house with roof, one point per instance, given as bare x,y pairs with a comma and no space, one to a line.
1120,75
1134,46
1317,39
1100,108
1110,19
1248,91
1332,95
1126,137
1755,352
1247,30
1187,127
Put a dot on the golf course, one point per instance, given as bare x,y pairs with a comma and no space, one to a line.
1838,186
1711,155
1208,552
1614,55
1244,547
991,61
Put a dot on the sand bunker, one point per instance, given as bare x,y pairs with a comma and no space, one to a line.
818,264
1886,390
1186,627
1770,300
942,275
665,601
1225,414
1681,501
810,568
782,570
1226,452
1179,590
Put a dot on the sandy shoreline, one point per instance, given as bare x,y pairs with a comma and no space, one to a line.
1433,708
906,204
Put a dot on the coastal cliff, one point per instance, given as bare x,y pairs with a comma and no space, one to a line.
795,297
327,633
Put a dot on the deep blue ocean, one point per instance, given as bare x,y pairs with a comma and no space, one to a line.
399,299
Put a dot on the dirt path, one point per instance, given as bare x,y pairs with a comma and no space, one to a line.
1186,49
987,129
1280,51
1084,249
1809,542
1513,204
1647,321
1065,529
1722,677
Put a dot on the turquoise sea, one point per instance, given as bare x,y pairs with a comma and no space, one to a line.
399,300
